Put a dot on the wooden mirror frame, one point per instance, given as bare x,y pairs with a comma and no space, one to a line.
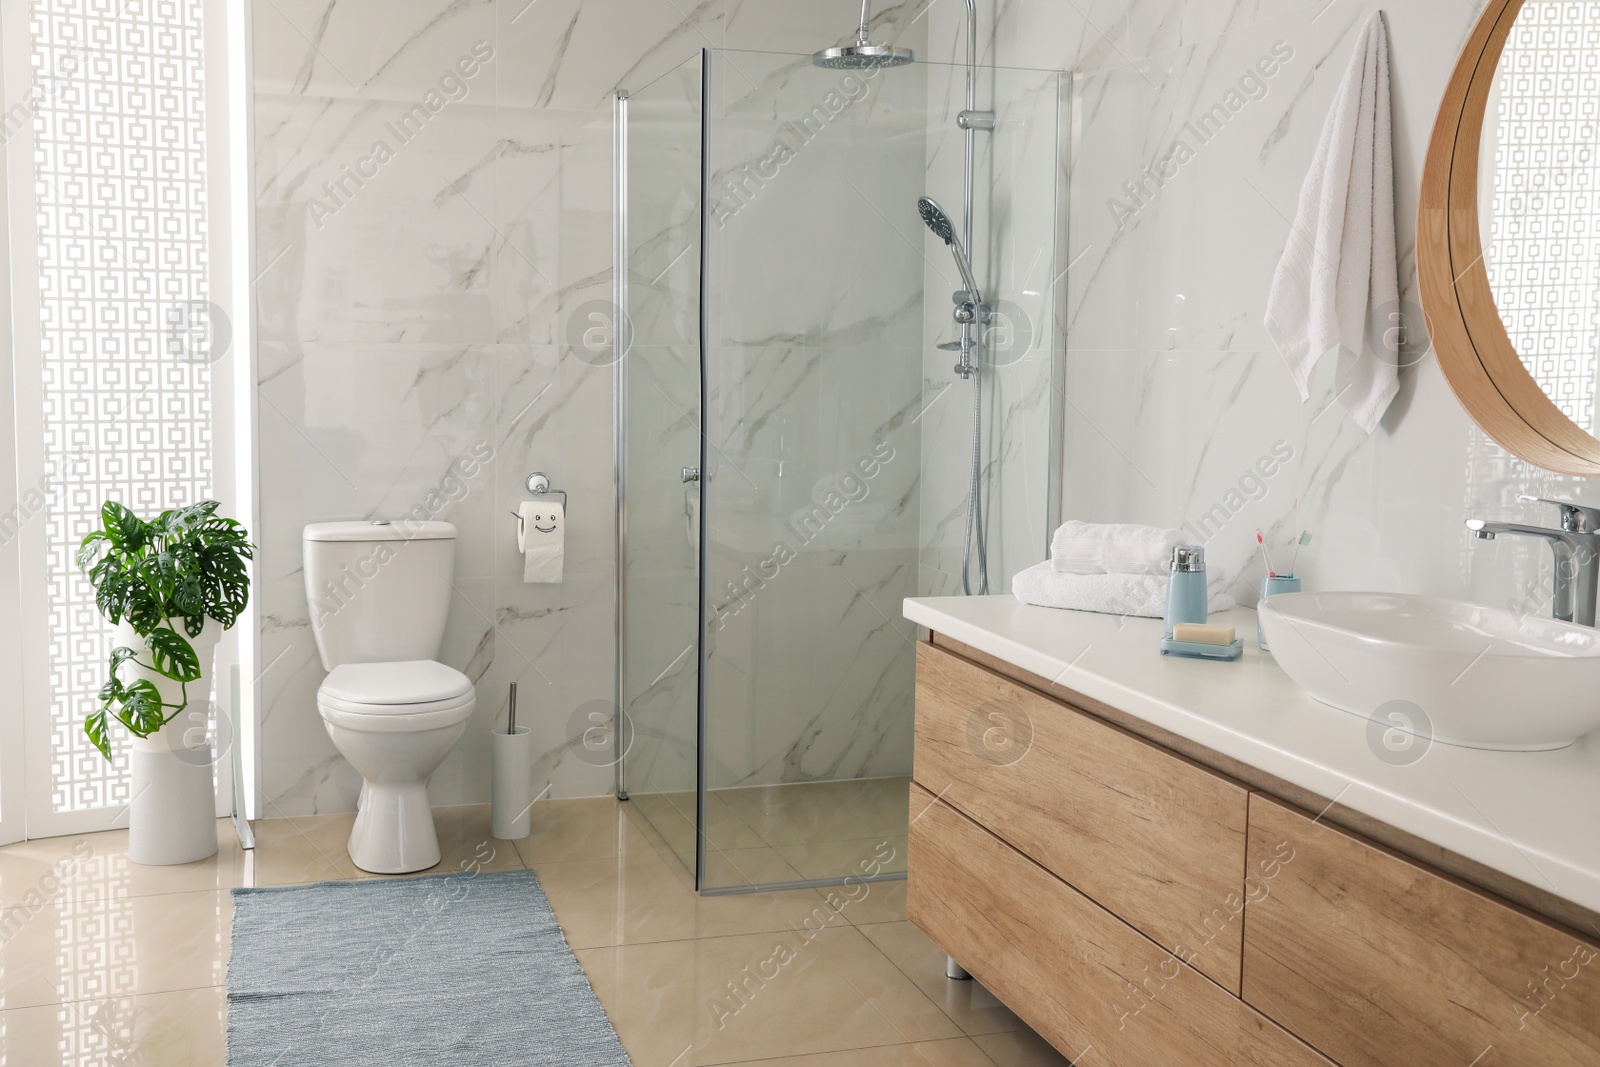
1471,342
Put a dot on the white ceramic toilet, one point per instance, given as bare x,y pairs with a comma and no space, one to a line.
379,594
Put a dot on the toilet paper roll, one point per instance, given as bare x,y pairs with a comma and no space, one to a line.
511,816
541,538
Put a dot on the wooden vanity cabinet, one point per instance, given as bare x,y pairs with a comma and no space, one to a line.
1157,839
1137,907
1377,960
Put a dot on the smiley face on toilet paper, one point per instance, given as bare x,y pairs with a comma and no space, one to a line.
541,538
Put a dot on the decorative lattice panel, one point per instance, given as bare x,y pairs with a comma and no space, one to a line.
120,186
1544,261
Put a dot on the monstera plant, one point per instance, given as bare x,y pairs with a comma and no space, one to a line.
163,578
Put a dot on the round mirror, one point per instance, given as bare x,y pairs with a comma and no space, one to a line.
1509,231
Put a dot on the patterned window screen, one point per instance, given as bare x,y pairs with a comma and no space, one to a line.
1544,264
120,187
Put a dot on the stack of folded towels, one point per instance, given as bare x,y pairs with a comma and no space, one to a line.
1115,569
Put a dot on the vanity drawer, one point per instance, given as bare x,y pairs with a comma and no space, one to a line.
1377,961
1101,992
1156,839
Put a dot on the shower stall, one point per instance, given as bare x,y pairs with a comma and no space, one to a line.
794,446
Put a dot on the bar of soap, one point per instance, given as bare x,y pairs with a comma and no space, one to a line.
1199,634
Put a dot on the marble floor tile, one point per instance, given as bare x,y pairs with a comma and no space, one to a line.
960,1052
973,1007
88,866
732,999
182,1028
591,829
108,947
876,902
1021,1048
123,964
748,867
645,897
836,858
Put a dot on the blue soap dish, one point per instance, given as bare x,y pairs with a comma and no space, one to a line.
1169,647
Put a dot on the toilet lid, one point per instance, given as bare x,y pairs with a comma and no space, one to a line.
395,685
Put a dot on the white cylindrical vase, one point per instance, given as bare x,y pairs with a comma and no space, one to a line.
511,817
172,816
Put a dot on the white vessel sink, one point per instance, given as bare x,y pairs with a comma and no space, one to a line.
1481,677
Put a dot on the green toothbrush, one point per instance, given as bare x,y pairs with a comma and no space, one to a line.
1305,539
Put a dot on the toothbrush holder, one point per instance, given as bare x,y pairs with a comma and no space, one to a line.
1270,586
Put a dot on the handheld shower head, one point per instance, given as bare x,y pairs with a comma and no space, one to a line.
936,220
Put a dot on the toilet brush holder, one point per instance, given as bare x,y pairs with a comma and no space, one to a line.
513,784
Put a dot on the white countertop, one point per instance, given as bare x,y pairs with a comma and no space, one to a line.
1532,815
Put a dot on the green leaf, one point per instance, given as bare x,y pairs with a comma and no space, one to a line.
95,727
190,598
172,655
142,712
120,655
123,528
89,549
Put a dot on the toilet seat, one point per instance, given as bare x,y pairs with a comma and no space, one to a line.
400,697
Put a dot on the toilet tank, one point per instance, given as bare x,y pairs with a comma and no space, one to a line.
378,591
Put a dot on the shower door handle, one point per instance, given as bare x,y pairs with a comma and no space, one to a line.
690,474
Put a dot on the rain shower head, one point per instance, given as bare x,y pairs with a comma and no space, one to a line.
937,221
863,55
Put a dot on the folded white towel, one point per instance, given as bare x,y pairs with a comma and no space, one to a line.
1337,286
1144,595
1109,548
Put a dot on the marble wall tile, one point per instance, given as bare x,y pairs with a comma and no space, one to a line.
444,300
1174,393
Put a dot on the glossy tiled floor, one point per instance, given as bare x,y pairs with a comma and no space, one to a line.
777,834
106,962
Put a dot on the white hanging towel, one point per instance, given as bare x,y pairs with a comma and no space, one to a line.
1338,286
541,538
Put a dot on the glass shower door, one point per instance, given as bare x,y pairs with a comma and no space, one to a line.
658,382
789,311
814,381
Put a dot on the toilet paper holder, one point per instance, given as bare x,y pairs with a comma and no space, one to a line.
539,484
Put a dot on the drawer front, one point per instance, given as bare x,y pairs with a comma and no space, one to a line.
1102,993
1377,961
1156,839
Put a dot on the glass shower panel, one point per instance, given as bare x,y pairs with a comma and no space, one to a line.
659,402
813,362
1021,238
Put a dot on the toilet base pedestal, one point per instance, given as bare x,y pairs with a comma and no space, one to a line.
394,831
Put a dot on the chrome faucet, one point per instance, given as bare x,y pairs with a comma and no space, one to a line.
1577,556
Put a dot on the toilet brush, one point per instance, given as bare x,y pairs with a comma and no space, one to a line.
512,785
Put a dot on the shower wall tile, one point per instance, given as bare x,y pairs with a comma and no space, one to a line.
1174,394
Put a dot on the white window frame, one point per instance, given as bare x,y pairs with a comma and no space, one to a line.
232,405
13,823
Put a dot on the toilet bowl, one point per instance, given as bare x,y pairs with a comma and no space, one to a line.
395,723
379,595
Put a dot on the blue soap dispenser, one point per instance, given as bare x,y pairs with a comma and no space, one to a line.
1186,591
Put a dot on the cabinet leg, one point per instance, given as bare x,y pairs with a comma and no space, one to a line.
954,970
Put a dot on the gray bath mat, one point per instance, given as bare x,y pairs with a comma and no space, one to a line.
465,970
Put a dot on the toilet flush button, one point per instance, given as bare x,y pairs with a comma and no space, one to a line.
380,522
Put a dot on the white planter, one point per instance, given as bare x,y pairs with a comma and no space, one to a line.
172,817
